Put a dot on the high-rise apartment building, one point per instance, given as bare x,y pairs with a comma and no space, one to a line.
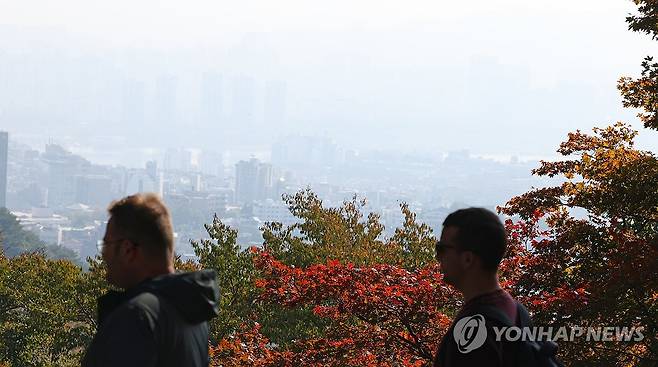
246,178
264,182
211,163
93,190
253,181
63,167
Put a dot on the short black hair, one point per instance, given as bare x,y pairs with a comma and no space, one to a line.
481,231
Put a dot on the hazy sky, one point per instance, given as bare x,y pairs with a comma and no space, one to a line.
166,20
505,76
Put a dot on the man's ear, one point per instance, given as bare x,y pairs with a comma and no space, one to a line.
468,259
130,250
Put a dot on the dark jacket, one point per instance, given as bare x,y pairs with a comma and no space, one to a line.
160,322
491,353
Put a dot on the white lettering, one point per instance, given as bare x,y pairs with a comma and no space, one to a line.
576,331
605,334
593,334
624,334
544,334
561,334
639,336
529,334
608,332
499,332
508,334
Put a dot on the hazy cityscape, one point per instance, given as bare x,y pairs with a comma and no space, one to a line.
62,196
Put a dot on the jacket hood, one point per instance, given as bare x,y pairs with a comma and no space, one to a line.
194,294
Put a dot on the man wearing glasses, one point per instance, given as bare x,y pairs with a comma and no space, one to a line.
159,318
472,245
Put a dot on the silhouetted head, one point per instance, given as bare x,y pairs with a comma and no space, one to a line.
473,242
138,241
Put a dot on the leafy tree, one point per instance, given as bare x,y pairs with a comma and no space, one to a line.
47,310
414,241
601,269
344,233
325,233
235,276
647,19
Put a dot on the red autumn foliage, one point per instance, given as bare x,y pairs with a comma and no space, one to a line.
247,348
585,272
383,315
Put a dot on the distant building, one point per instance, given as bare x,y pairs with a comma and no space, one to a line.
63,168
273,211
202,203
43,223
253,181
211,163
140,181
56,229
246,178
4,154
93,190
81,240
434,216
264,182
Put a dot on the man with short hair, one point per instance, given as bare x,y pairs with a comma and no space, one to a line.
160,317
473,243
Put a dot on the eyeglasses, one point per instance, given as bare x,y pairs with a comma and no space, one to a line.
441,247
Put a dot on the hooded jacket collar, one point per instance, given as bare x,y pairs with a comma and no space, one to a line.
195,295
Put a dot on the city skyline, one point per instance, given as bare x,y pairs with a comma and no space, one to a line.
62,196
